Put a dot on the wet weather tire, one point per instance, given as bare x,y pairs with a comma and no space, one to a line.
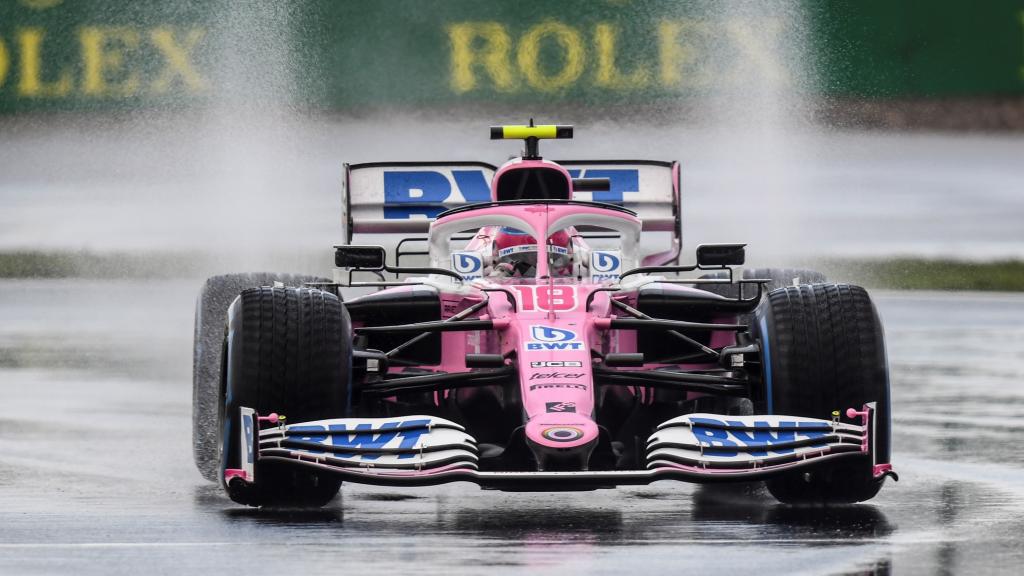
823,349
290,352
208,357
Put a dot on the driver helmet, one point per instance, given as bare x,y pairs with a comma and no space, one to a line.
516,253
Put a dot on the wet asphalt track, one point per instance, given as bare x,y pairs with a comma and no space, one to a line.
96,473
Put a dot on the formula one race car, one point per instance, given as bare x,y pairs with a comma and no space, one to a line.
537,349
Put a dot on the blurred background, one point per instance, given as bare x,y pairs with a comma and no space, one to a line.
146,144
882,140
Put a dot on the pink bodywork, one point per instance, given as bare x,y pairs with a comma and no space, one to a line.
551,334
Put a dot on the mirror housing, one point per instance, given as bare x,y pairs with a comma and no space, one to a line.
363,257
591,184
721,255
485,361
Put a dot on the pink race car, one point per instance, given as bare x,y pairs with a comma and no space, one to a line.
538,349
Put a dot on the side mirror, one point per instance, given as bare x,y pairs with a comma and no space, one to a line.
721,254
364,257
591,184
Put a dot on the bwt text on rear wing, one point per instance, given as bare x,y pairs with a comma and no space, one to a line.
403,197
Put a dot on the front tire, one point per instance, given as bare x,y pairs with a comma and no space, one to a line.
208,357
289,351
823,349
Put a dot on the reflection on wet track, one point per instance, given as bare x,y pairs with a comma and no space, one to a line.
96,472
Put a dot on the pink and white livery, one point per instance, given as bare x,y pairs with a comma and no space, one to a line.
536,345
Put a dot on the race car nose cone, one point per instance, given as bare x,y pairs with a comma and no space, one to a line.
561,436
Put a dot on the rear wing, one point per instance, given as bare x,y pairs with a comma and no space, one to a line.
404,197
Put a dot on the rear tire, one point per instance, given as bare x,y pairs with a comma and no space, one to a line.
823,349
208,356
289,351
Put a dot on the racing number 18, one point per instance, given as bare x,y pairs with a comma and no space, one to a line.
547,298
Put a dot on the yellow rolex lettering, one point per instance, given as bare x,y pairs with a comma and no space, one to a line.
5,62
528,56
31,83
476,44
104,51
178,60
608,73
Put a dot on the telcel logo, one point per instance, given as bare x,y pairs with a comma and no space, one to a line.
548,338
467,264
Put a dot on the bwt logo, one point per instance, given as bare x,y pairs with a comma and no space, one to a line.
548,338
409,193
467,264
425,192
727,442
605,265
606,262
548,334
361,437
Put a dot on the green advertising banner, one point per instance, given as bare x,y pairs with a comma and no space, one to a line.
338,54
58,54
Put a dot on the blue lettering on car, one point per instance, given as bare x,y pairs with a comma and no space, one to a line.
468,265
361,437
765,434
554,345
409,193
549,334
310,434
605,261
424,192
548,338
247,428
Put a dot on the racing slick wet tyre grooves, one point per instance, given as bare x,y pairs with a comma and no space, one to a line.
823,350
290,352
208,356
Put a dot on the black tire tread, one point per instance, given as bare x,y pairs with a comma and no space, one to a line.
827,353
295,359
215,297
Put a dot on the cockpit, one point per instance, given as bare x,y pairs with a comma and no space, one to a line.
500,241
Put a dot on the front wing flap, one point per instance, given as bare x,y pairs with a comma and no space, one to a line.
714,441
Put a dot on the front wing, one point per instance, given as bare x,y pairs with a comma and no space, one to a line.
426,450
